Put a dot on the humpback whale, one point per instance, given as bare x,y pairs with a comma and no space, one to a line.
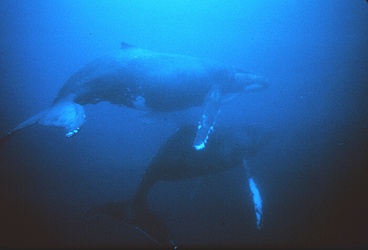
175,160
146,80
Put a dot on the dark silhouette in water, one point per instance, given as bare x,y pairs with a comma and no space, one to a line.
229,147
149,81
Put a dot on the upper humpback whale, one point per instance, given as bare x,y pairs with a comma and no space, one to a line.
146,80
229,147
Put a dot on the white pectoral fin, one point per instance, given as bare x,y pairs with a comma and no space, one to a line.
256,197
207,121
257,201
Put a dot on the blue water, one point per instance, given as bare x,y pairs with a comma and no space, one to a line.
312,175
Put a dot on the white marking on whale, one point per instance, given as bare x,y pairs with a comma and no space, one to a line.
256,197
146,80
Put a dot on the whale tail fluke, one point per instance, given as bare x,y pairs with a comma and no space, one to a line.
140,218
68,115
32,120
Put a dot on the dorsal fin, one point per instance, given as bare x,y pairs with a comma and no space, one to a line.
125,45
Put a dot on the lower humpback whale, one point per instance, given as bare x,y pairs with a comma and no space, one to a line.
229,147
146,80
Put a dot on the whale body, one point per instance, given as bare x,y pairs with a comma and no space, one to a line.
146,80
176,159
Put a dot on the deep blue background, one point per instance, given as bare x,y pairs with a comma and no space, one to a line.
312,175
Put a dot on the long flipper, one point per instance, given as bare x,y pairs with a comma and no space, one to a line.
211,109
256,196
141,219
